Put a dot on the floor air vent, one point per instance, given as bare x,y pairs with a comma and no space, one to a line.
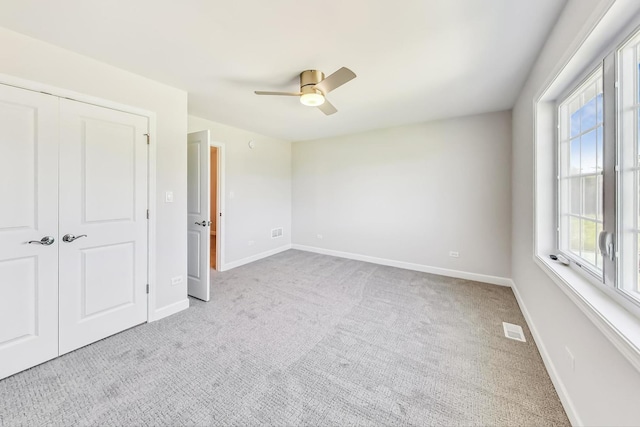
513,332
276,232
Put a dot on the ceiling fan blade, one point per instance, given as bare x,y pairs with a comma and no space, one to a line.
327,107
335,80
262,92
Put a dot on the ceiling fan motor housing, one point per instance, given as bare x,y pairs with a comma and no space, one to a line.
310,78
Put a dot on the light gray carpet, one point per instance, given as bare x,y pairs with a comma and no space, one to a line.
304,339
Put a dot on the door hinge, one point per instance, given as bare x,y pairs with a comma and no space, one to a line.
148,136
147,288
220,213
147,213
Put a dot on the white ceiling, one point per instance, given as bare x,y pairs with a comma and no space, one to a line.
416,60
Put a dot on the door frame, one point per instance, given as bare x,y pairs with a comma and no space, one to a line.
220,204
151,163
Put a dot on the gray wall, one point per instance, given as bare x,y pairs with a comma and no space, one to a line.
411,194
260,181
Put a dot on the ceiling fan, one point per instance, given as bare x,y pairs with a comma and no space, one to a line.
314,87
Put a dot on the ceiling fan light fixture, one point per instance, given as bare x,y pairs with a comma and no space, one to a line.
314,86
312,99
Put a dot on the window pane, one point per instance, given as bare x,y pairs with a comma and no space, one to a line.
589,197
575,196
575,123
600,195
588,241
588,151
588,117
599,149
574,235
574,162
599,107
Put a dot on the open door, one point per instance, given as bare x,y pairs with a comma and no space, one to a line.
198,214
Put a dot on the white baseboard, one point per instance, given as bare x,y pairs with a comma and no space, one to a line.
168,310
567,403
256,257
494,280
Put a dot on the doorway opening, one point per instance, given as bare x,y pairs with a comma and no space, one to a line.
214,211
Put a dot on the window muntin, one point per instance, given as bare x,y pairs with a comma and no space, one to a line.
580,173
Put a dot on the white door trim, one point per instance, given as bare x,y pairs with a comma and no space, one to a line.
151,183
220,203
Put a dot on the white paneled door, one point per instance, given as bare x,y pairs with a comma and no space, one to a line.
28,213
198,214
73,225
103,222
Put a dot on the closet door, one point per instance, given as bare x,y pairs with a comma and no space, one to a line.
28,213
103,223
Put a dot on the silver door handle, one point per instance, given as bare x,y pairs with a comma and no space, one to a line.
203,223
46,241
70,237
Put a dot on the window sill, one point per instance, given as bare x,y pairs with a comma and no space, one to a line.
620,326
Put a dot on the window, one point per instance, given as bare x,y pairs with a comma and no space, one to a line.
580,167
628,188
598,173
587,176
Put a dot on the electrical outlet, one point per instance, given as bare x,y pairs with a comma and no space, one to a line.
176,280
251,243
454,254
319,236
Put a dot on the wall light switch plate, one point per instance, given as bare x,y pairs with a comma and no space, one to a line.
168,197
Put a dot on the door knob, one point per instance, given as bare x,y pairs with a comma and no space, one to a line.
70,237
46,241
202,223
